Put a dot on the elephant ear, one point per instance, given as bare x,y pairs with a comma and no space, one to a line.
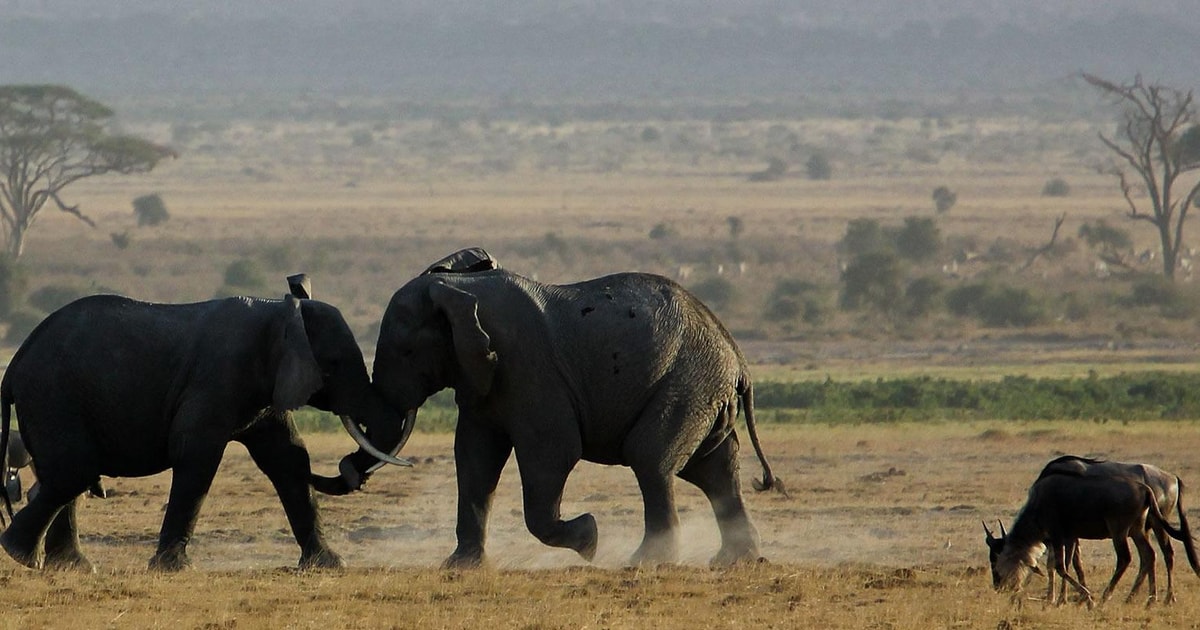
297,374
471,343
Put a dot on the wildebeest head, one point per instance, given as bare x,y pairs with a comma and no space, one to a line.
1009,571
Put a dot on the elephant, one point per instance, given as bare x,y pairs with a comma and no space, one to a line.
18,458
628,369
111,386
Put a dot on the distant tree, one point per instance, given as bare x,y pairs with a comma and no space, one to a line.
819,166
150,210
944,199
1057,187
736,226
651,134
863,236
1157,142
872,280
918,239
51,137
661,231
776,167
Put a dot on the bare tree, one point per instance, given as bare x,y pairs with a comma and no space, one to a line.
1157,142
50,137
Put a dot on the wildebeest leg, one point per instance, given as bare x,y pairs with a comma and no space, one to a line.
1145,564
1077,563
1121,546
62,542
1168,552
716,474
1060,566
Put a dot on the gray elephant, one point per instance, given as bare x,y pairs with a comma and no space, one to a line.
111,386
627,369
17,459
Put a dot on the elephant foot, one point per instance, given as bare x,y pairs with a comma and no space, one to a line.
583,536
464,559
170,561
655,551
73,560
322,559
23,555
727,557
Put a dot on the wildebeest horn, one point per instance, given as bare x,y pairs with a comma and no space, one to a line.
987,531
361,438
1003,534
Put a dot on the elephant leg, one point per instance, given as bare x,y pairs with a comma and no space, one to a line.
660,543
544,472
23,540
62,542
194,462
480,454
277,449
716,474
65,467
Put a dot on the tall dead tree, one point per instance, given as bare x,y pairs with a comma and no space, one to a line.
1157,143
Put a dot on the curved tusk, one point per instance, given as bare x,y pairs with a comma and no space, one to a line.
410,421
361,438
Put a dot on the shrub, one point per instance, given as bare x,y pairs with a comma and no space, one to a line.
1104,236
52,297
20,324
716,292
661,231
651,134
964,300
150,210
918,240
920,296
12,285
1172,301
1057,187
871,280
863,236
819,167
1010,306
243,276
944,198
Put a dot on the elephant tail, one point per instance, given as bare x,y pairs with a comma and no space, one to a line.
769,481
6,403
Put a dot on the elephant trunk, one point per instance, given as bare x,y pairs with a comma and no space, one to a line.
357,467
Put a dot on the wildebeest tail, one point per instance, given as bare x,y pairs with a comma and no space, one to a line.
769,481
1185,532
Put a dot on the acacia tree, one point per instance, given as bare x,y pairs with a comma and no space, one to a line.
50,137
1158,139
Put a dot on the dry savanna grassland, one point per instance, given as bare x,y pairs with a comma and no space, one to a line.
881,524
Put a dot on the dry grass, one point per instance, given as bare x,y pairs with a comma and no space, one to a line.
881,529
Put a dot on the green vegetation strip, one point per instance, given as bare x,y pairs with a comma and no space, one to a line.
1139,396
1121,397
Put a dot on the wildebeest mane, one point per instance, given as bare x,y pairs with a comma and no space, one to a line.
1061,466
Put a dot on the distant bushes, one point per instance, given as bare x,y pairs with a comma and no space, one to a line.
1143,396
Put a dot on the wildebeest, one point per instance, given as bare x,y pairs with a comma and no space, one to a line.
1063,508
1168,494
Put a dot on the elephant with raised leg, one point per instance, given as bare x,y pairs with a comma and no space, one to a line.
627,369
111,386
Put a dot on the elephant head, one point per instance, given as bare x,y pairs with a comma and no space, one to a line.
320,364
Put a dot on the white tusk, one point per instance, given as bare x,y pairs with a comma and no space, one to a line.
357,434
410,421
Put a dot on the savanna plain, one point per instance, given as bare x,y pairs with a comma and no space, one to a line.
881,523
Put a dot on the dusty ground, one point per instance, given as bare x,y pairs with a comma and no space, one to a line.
881,528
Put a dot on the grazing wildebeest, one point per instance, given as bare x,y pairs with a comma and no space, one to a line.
1168,494
1063,508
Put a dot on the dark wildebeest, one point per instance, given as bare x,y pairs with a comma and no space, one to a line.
1168,494
1063,508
